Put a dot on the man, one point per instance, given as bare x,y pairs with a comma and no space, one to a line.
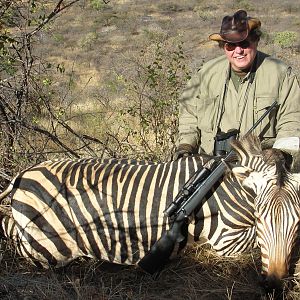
234,90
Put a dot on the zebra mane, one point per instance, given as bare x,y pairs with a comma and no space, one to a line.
247,146
276,157
250,146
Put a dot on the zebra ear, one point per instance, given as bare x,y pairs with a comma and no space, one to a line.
295,168
249,144
297,178
250,179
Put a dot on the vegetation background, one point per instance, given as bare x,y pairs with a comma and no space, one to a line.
94,78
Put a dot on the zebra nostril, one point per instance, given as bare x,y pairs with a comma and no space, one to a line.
272,284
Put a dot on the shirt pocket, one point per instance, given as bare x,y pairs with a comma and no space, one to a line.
207,112
266,128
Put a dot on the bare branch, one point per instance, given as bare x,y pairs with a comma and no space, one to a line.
58,8
54,138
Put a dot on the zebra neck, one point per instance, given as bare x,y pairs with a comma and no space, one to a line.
226,219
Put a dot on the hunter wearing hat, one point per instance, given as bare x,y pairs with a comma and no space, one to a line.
231,92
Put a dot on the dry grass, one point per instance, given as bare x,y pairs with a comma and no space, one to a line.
199,274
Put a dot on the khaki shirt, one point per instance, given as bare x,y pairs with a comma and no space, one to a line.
200,106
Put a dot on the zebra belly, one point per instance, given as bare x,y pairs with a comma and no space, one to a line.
57,231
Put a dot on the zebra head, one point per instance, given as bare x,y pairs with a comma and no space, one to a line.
277,205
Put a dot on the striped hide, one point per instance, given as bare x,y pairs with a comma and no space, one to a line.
113,210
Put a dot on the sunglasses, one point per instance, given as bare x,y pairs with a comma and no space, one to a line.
231,46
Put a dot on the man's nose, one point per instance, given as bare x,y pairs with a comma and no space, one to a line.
239,49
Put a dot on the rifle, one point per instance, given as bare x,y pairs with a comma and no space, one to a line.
181,208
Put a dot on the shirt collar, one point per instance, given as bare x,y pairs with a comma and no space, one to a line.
248,75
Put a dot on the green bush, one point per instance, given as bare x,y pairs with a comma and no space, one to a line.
88,40
97,4
285,39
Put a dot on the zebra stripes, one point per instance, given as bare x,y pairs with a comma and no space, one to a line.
277,226
277,206
113,210
226,219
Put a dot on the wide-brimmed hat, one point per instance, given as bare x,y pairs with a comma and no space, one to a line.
236,28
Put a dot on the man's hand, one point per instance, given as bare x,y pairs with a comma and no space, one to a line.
183,150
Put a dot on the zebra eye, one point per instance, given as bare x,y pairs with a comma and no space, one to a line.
241,172
256,214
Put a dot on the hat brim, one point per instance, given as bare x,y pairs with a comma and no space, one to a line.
252,24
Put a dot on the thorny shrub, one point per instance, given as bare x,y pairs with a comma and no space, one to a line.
148,122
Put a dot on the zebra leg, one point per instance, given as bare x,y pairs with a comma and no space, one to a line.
6,222
7,227
9,231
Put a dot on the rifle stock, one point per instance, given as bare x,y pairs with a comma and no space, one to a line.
187,200
160,252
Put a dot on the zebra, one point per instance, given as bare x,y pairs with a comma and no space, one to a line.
113,210
277,206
